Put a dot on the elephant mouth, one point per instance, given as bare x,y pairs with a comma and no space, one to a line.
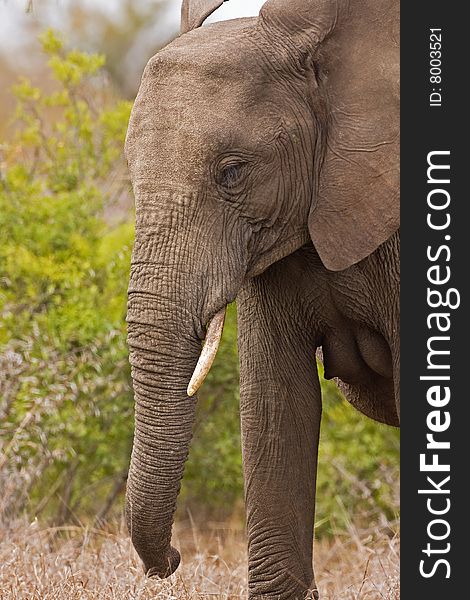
209,351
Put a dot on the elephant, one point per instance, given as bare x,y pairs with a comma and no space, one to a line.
263,154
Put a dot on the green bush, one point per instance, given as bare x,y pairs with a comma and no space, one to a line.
66,404
65,385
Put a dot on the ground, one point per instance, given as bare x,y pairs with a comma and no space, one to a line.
76,563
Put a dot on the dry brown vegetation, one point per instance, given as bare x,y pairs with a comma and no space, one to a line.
73,563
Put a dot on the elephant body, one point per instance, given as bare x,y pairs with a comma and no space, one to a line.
264,159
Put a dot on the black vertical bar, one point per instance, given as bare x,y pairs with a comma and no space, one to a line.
434,123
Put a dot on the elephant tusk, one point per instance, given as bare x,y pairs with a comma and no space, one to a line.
211,345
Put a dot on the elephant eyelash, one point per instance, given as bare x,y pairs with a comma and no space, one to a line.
231,175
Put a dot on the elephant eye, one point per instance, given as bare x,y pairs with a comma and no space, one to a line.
230,175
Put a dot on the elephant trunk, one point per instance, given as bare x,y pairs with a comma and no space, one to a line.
176,286
164,348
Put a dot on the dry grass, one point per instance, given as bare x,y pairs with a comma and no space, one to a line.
77,564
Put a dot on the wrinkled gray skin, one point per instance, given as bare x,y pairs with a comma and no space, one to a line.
264,159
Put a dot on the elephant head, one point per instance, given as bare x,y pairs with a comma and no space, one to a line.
248,139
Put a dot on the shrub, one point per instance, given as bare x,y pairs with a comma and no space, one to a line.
65,385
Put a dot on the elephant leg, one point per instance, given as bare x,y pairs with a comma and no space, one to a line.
280,409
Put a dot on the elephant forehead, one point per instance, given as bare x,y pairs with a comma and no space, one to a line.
176,135
204,93
202,82
210,50
207,72
181,129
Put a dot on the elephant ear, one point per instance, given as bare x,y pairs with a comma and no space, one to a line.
195,12
354,46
